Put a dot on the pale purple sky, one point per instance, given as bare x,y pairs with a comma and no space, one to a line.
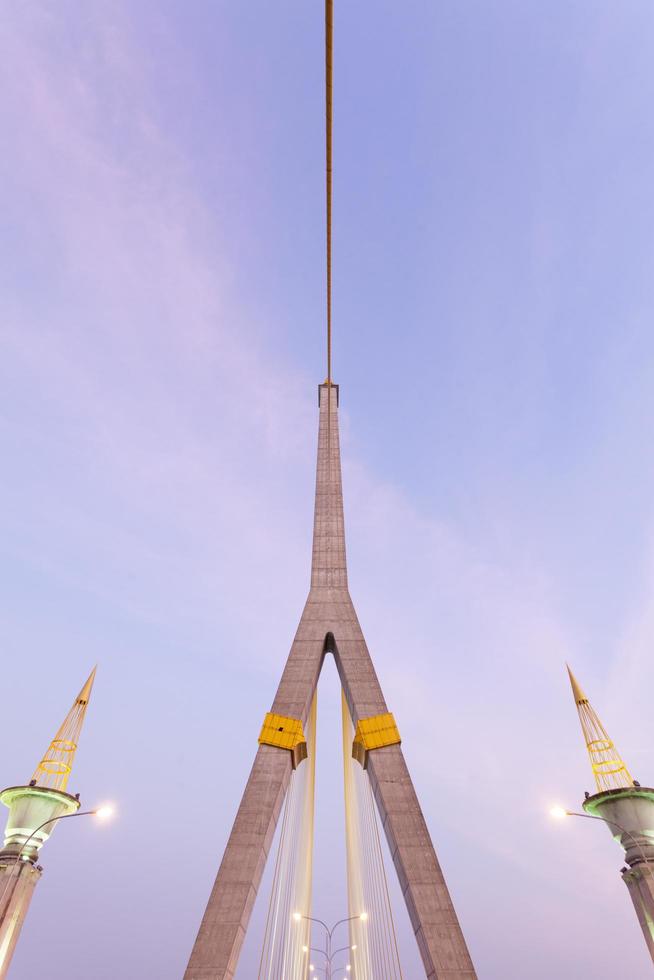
162,246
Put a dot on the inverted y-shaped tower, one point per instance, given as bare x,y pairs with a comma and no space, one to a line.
33,813
625,806
329,625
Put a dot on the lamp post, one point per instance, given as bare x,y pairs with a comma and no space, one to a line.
329,933
559,812
629,804
101,811
329,969
335,971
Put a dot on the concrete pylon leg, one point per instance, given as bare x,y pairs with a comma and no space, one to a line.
217,947
224,924
329,623
435,924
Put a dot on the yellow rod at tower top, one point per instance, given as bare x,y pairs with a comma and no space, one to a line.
329,85
329,113
577,692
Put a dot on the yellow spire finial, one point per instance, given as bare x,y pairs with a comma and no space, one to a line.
85,694
54,768
609,770
579,695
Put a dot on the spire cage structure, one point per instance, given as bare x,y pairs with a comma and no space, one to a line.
608,767
55,767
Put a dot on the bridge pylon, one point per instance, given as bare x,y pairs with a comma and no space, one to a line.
329,625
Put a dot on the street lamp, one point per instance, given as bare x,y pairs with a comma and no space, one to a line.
559,813
327,952
326,970
102,812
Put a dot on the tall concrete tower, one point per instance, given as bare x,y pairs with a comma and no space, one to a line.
329,626
33,813
625,806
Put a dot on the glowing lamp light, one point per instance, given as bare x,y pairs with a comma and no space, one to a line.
364,916
305,949
104,812
558,812
297,916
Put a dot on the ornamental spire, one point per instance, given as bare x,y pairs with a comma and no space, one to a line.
609,770
54,768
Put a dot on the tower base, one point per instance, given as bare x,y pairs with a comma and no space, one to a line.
629,815
18,879
640,884
33,813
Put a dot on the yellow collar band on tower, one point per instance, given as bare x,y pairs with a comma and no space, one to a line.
374,733
284,733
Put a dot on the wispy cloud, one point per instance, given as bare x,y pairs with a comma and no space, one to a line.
158,490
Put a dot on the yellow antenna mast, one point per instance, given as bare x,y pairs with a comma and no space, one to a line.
329,86
609,770
329,80
54,768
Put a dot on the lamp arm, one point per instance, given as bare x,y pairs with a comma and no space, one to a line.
340,922
623,830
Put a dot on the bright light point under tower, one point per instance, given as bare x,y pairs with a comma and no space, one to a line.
105,812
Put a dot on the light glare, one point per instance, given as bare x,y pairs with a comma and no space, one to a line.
558,812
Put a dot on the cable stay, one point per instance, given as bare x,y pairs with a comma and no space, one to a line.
373,940
288,929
